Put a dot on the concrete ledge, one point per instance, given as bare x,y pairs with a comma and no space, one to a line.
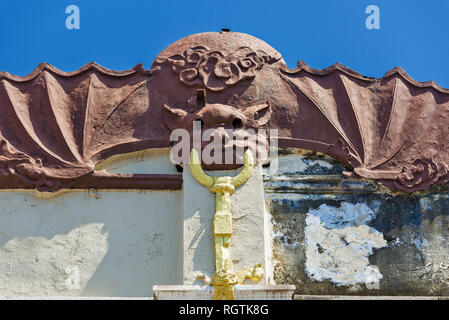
242,292
206,293
330,297
76,298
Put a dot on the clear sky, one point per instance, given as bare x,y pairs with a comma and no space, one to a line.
119,34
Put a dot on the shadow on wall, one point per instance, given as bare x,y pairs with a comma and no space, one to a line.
111,243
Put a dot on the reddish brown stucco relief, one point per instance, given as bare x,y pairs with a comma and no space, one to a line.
394,129
56,126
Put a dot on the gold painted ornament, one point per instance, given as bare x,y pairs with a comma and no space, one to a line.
224,278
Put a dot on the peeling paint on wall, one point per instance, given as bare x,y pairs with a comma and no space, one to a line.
401,239
338,243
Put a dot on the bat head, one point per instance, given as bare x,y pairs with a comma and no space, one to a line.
224,131
244,88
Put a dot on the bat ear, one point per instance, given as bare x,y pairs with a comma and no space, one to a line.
173,117
259,114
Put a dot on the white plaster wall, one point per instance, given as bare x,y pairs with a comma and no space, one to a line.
120,243
339,243
248,245
151,161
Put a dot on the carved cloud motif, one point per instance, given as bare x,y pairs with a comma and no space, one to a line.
200,66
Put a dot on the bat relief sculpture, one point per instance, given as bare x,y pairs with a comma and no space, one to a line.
56,126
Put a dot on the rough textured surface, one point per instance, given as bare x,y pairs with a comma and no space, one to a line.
339,242
36,266
324,222
401,239
122,242
391,129
55,126
242,292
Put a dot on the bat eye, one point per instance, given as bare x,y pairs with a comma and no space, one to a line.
237,123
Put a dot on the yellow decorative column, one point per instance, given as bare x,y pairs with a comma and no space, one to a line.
224,278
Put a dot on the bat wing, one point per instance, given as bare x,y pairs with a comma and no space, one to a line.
58,125
394,129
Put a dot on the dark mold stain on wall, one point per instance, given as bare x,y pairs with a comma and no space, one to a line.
414,228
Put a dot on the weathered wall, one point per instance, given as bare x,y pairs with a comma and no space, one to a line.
335,235
317,229
124,242
121,243
249,246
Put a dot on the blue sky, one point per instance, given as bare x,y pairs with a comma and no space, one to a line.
120,34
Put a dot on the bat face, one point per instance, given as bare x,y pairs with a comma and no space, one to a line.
239,80
225,132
